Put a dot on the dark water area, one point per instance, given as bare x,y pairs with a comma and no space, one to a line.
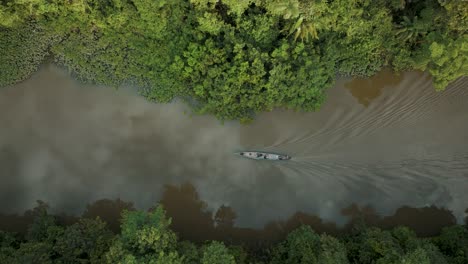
396,153
365,90
191,219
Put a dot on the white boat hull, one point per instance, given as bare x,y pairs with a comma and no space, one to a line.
256,155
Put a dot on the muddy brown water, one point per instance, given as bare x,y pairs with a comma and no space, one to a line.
387,142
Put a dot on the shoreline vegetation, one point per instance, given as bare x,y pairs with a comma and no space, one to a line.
115,232
233,58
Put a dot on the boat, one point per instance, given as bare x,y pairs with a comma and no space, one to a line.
256,155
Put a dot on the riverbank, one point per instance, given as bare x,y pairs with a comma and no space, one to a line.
234,60
58,238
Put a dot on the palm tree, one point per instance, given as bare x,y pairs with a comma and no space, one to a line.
410,30
306,28
305,19
289,9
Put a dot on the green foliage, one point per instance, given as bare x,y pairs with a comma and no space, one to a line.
303,245
227,76
145,238
445,58
9,244
233,58
236,80
8,239
118,254
239,253
405,237
417,256
457,15
453,242
24,47
88,239
288,9
94,51
41,238
17,12
34,252
434,41
363,37
189,252
411,30
417,250
217,253
12,250
44,227
238,7
374,244
400,245
147,232
332,251
303,18
449,61
83,242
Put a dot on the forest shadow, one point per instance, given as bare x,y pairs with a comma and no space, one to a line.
191,219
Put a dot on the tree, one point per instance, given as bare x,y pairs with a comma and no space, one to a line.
288,9
303,245
417,256
189,252
217,253
44,227
433,42
374,245
240,254
445,58
147,232
88,239
145,238
410,29
305,18
399,245
34,252
362,37
24,48
41,237
457,15
453,242
9,244
332,251
13,13
406,238
233,58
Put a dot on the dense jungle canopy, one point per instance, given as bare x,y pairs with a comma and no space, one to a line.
233,58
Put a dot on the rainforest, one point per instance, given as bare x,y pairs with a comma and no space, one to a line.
233,58
120,119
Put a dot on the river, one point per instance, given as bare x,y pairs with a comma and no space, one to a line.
386,142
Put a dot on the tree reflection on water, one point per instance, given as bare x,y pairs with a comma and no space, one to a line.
193,221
